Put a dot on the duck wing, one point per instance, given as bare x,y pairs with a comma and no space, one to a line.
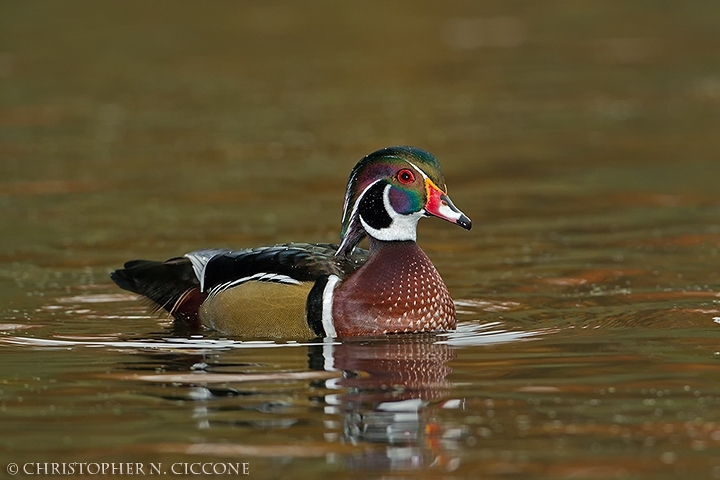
180,285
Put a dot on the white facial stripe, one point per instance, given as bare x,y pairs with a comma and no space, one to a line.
357,202
417,168
386,201
402,227
354,211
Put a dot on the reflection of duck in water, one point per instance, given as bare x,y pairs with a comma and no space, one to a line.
310,290
383,397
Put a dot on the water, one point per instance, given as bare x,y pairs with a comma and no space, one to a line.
580,138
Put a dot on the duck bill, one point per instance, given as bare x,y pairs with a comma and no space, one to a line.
439,205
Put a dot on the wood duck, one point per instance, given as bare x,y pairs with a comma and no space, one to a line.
301,290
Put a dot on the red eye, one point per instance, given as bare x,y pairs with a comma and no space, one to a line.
405,176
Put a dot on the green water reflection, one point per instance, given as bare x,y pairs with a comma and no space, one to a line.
581,138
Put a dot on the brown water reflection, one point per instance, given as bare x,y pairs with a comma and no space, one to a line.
580,137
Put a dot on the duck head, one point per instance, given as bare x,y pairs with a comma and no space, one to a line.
389,191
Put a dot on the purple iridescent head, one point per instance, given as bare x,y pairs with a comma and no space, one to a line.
389,191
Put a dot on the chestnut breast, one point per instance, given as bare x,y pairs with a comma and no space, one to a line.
397,290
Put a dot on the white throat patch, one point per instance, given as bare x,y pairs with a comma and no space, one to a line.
402,227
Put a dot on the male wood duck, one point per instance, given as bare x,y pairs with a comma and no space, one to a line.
301,290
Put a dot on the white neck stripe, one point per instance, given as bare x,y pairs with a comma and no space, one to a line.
327,302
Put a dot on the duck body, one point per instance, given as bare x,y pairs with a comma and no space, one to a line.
302,290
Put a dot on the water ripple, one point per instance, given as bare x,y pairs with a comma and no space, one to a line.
193,344
474,334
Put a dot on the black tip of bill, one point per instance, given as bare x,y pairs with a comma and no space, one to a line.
464,222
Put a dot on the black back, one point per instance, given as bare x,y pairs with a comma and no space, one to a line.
301,261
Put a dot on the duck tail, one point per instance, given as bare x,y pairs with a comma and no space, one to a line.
170,285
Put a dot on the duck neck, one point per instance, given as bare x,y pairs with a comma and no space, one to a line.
378,247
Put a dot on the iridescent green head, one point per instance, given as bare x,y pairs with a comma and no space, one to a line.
389,191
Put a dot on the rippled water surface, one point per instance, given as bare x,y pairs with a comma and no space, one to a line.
582,138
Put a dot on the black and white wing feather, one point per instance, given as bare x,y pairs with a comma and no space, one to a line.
290,263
